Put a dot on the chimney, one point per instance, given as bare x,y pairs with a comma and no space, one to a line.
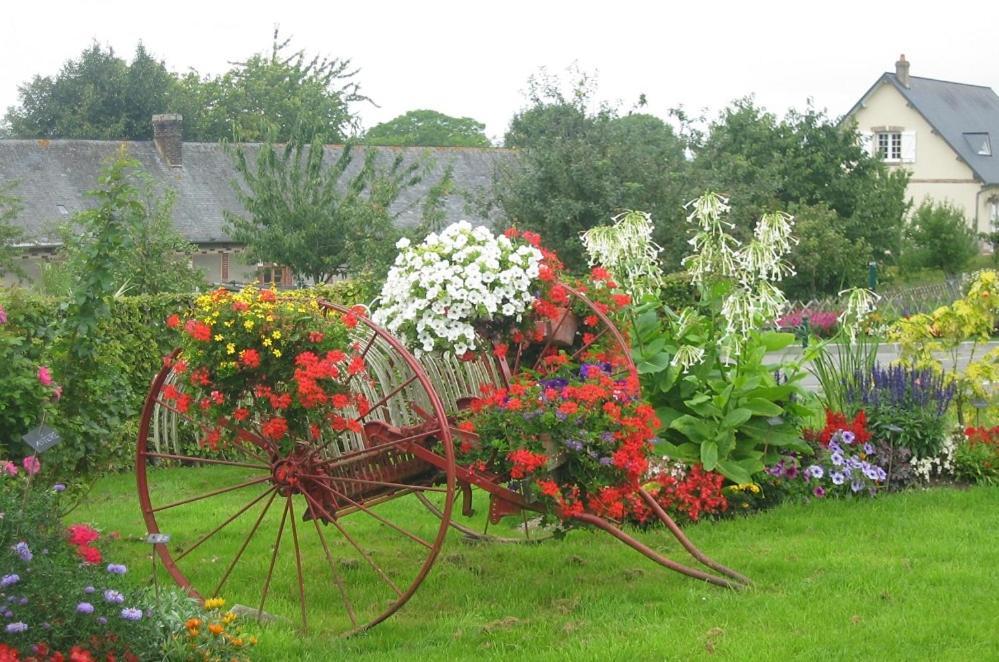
902,71
168,135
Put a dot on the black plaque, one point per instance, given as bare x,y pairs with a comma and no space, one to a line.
42,438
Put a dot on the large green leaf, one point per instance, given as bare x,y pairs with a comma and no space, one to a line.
776,340
737,417
763,407
709,455
693,428
653,364
735,472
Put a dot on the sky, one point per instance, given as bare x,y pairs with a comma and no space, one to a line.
474,58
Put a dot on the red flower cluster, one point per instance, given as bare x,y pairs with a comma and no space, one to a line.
836,421
525,462
697,493
982,435
82,537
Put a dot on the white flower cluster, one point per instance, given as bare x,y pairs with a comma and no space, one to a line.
627,250
941,464
437,291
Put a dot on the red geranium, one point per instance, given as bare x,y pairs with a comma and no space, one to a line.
81,534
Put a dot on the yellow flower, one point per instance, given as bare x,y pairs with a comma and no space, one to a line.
269,318
276,353
230,348
248,325
214,603
267,342
227,323
229,617
276,335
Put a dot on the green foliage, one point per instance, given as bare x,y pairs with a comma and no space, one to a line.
838,367
938,237
428,128
678,291
281,94
825,260
97,96
812,165
976,457
10,234
310,215
148,256
576,166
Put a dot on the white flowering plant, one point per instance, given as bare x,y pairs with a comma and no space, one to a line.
440,292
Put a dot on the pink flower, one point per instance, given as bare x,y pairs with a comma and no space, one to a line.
44,376
57,392
10,469
31,465
3,315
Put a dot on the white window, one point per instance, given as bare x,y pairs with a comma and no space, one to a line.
890,146
994,213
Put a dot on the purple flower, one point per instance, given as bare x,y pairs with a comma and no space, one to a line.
815,471
58,487
791,472
117,569
837,478
836,458
854,462
606,461
16,627
848,436
869,448
23,600
8,613
776,470
882,474
101,620
131,614
560,415
9,580
607,436
89,589
574,444
114,597
857,485
85,608
834,447
871,472
23,551
819,491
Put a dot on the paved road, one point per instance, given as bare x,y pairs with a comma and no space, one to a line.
887,353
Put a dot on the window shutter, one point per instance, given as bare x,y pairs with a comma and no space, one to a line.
868,143
908,147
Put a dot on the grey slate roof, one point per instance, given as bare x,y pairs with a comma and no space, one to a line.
954,109
54,173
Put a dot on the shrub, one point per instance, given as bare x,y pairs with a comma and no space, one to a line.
938,237
678,291
976,458
823,324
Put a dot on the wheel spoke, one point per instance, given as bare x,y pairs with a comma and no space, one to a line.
374,450
298,563
588,345
224,524
246,542
223,490
336,575
270,570
206,460
348,538
411,536
253,439
362,481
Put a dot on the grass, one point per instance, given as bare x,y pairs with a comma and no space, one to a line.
901,577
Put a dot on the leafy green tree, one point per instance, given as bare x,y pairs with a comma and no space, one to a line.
764,163
938,237
825,260
131,233
97,96
578,166
428,128
283,95
308,214
10,234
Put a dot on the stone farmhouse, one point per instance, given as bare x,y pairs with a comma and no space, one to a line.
51,178
945,133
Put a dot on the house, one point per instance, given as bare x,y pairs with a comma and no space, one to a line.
945,133
51,178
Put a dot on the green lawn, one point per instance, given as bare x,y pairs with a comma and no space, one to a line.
903,577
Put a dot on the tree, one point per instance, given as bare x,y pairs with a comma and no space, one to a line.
10,234
128,243
825,260
430,129
765,163
578,166
280,96
97,96
308,214
938,237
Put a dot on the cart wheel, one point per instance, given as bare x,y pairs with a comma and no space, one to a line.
356,553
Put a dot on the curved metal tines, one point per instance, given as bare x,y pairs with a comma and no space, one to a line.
456,380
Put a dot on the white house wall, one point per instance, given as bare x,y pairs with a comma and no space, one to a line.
937,172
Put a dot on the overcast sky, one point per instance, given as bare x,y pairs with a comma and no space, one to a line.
473,58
